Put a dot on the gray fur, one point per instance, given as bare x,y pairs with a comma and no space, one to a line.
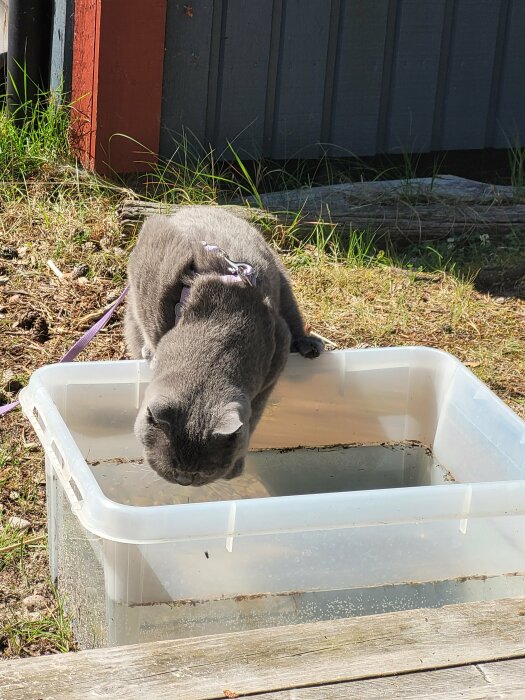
214,371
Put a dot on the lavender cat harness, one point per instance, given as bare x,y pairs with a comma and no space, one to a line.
237,272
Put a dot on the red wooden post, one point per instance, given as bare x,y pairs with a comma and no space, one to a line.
118,61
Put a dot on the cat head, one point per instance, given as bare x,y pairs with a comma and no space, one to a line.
189,443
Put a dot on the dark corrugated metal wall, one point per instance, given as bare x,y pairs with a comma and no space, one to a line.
280,77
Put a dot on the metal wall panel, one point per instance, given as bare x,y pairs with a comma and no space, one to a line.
187,60
299,78
358,77
413,82
509,120
243,74
470,71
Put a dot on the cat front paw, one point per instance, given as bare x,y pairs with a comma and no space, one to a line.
308,346
149,355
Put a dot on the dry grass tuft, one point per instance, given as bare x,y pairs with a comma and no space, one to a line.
380,306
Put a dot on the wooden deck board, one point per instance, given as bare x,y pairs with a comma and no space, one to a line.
504,680
294,657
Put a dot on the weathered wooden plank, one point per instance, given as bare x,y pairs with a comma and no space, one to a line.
470,67
501,679
419,209
242,88
413,223
358,76
186,72
414,75
132,213
510,115
278,658
300,84
442,187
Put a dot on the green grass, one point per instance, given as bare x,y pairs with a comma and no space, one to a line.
517,169
40,140
51,631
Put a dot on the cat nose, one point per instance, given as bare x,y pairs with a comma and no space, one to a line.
184,480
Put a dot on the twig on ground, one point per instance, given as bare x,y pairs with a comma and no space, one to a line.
28,540
55,269
93,315
12,292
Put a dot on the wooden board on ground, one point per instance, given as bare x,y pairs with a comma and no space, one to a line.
353,658
403,210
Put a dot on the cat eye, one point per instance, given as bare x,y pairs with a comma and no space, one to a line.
157,422
233,436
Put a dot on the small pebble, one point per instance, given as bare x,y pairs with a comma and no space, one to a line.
6,376
13,495
112,295
13,385
90,246
19,523
34,602
41,330
8,252
79,271
34,615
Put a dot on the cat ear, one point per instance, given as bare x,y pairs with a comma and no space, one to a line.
230,420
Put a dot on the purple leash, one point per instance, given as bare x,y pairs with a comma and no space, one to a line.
81,343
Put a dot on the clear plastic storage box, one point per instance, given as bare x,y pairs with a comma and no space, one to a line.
378,480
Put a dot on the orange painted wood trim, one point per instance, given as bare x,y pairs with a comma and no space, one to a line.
84,80
117,105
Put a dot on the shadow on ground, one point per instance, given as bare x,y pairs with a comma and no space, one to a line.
502,282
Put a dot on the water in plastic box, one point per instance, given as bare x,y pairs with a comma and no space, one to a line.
280,473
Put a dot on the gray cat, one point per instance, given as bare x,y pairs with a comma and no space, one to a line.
218,336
